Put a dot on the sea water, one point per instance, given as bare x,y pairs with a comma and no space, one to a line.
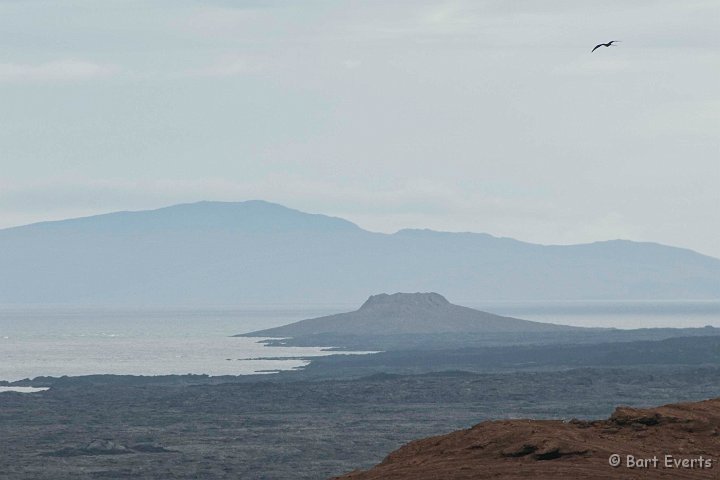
61,340
613,314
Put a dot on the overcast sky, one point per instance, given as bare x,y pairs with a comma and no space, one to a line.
479,115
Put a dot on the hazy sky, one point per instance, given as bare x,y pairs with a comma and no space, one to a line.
477,115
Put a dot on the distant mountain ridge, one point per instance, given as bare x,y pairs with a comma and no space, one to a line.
251,216
408,313
258,252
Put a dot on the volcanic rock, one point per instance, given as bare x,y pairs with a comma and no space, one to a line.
683,438
409,313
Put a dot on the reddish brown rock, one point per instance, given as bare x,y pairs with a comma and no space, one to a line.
551,449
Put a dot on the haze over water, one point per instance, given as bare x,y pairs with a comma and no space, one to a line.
613,314
56,341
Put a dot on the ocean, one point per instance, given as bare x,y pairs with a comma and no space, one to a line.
613,314
61,340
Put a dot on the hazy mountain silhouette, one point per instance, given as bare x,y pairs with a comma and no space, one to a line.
407,313
230,253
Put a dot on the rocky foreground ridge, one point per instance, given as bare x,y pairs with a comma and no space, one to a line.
673,441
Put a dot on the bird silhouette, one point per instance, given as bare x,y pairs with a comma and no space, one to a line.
604,45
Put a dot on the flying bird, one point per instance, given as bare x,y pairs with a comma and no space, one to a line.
604,45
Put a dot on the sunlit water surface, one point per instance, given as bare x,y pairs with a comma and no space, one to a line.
55,341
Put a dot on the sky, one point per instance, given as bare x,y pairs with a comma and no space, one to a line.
479,115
